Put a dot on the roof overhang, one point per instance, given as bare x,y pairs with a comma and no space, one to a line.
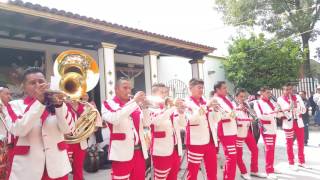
70,29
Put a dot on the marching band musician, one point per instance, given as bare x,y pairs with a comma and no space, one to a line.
78,150
227,129
267,112
245,135
166,145
127,149
6,112
40,151
5,97
201,138
293,107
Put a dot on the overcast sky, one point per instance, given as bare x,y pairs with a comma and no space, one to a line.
191,20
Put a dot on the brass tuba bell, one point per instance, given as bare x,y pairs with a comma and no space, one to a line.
78,73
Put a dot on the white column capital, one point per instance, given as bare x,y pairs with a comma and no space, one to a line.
196,61
108,45
197,68
152,53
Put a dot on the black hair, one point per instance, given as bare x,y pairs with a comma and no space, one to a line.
218,85
212,93
31,70
240,90
119,80
287,84
264,88
3,84
302,91
195,81
156,86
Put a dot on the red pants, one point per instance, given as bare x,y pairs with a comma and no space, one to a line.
133,169
10,160
166,167
299,132
269,142
229,147
197,153
252,146
78,156
46,177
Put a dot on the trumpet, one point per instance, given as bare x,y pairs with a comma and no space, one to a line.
214,104
158,102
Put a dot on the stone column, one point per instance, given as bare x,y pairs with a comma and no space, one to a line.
150,61
107,70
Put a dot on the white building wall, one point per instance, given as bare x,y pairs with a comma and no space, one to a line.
214,72
172,67
179,68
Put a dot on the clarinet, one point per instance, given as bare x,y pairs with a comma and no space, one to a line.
250,112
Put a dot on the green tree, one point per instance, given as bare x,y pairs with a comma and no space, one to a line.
282,17
255,61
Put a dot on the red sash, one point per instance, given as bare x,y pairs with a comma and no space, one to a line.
227,101
269,103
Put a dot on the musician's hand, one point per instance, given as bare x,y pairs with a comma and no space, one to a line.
214,104
139,97
57,99
169,102
39,92
181,107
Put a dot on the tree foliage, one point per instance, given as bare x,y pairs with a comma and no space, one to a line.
255,61
282,17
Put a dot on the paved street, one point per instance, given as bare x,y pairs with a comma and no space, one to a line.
312,158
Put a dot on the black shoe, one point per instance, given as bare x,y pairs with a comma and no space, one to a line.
105,166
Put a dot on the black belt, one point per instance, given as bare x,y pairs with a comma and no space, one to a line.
11,145
137,147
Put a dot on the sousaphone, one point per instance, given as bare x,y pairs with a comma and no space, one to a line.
78,73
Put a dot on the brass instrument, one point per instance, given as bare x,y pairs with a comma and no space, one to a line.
154,102
157,102
217,106
78,73
250,112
